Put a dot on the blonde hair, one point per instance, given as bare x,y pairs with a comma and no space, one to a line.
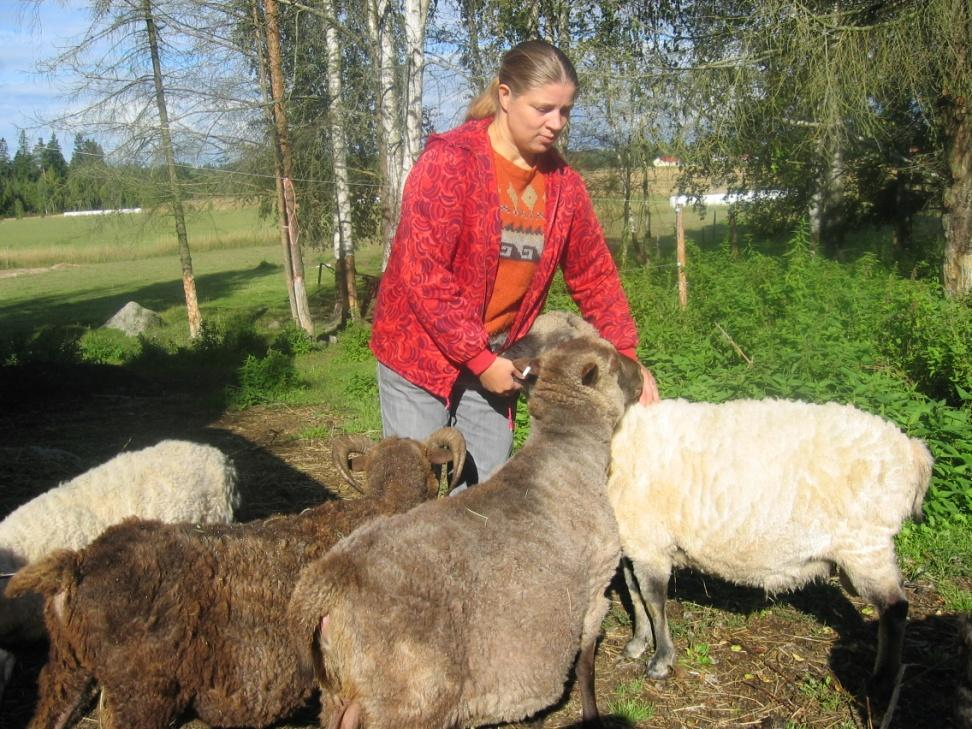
526,66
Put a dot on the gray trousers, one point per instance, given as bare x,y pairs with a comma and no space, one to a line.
484,419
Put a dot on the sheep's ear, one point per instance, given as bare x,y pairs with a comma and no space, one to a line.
590,374
358,462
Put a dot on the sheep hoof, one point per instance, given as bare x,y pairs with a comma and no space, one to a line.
635,648
658,669
880,687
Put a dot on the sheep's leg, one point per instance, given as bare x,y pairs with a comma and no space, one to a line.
65,692
880,585
639,640
654,591
585,677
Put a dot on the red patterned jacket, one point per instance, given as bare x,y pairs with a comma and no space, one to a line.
428,321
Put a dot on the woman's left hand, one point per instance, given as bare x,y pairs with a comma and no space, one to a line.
649,388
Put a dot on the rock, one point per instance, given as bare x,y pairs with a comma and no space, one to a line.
134,319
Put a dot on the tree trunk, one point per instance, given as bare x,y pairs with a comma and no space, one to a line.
416,16
271,17
188,280
957,218
263,74
344,244
390,118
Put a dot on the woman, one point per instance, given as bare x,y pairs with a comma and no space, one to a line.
489,212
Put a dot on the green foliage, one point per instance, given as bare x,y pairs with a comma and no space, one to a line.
47,344
353,344
829,695
294,340
628,702
264,379
697,654
108,346
942,553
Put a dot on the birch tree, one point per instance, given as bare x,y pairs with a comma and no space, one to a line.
343,240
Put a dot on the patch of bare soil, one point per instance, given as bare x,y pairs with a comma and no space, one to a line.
745,661
14,272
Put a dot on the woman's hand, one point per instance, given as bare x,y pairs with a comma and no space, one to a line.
500,378
649,388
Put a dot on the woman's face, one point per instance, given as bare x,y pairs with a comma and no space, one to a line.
536,117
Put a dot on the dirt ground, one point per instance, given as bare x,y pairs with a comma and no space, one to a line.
745,661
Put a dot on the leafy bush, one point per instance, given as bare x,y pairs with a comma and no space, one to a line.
108,346
264,379
293,340
353,344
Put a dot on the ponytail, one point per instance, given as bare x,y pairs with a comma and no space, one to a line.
486,104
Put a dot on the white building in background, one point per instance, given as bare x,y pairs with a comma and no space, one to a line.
119,211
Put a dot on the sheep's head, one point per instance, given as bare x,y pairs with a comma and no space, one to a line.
581,379
402,460
548,330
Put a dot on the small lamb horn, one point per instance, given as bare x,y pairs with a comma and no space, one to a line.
452,441
343,449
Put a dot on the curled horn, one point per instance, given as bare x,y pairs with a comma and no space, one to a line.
452,440
342,449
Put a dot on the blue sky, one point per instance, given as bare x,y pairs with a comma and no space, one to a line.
31,31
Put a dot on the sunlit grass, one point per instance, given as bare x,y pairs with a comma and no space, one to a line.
45,241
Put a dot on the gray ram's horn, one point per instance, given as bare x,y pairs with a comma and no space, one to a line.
451,439
341,450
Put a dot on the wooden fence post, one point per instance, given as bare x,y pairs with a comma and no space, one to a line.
680,256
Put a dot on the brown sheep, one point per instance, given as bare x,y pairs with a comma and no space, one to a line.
472,610
170,617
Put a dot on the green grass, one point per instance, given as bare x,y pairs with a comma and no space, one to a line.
45,241
628,702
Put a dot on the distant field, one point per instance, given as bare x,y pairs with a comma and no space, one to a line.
34,242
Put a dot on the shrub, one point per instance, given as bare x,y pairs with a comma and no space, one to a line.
108,346
264,379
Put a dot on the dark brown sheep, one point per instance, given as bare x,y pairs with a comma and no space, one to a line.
166,618
472,610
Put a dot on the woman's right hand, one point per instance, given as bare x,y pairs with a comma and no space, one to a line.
500,378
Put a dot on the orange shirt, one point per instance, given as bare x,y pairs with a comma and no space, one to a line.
522,202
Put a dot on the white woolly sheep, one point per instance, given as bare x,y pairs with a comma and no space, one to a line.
471,610
174,481
767,493
168,617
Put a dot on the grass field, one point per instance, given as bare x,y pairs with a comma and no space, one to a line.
45,241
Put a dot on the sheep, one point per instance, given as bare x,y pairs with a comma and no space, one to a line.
169,617
471,610
765,493
548,330
174,481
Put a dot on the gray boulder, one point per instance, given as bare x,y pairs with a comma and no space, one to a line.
134,319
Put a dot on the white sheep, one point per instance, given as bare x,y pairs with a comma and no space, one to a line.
172,481
767,493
